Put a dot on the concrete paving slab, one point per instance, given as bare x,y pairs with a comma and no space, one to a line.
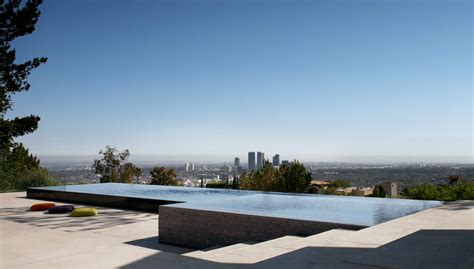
127,239
208,254
38,240
423,249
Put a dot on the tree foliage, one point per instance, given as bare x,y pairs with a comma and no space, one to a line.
294,177
454,179
459,191
163,176
287,178
339,183
19,170
130,172
16,20
378,191
114,166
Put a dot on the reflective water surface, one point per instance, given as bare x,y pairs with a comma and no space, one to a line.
362,211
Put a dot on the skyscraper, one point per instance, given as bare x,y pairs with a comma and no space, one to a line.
251,165
276,160
191,167
237,162
260,159
186,166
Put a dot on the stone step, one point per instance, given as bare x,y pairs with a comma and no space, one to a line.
247,255
266,250
331,238
194,254
228,248
254,253
202,254
331,234
294,242
279,241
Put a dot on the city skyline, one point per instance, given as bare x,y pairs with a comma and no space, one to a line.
228,158
213,78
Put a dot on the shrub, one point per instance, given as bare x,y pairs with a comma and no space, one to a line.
459,191
378,192
36,177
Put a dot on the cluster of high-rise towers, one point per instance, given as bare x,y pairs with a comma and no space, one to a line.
257,163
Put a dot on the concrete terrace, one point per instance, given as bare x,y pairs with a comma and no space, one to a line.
435,238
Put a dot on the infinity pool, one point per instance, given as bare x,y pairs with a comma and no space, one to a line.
360,211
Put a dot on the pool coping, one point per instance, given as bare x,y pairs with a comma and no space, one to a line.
112,201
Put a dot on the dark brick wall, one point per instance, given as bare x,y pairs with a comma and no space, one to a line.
203,229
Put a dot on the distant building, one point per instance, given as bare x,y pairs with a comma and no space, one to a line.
191,167
239,169
260,160
390,189
251,165
285,162
237,162
363,191
344,191
186,166
276,160
227,169
320,183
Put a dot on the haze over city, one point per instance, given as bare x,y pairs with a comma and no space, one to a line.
174,78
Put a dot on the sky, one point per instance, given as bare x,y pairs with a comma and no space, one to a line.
202,77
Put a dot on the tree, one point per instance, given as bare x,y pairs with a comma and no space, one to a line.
129,173
453,179
266,178
250,181
378,191
113,166
336,184
295,177
287,178
339,183
18,168
163,176
235,184
16,20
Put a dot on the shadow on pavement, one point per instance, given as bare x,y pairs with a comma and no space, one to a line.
423,249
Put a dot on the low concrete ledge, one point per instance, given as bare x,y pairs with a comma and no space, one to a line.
112,201
201,229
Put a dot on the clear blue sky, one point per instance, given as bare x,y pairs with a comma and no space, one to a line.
225,77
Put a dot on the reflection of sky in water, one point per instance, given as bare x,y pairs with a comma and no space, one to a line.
326,208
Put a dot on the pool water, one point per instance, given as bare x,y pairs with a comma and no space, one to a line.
363,211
